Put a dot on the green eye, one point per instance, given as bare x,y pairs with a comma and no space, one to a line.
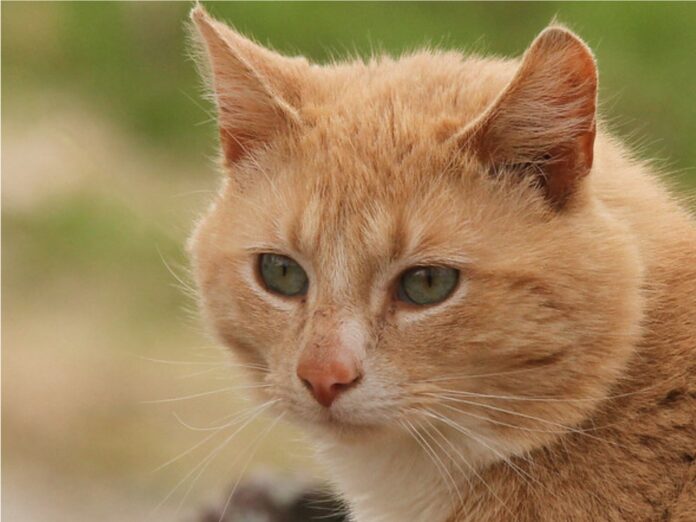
424,285
282,275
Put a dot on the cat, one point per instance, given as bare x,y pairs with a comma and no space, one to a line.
479,304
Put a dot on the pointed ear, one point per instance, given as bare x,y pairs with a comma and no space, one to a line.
257,90
543,123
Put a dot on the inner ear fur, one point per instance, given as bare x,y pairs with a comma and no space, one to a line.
543,124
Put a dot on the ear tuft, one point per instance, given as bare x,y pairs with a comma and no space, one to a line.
543,123
197,12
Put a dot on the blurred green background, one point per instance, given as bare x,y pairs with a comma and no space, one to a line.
106,162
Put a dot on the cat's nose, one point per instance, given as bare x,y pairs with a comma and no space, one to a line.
326,379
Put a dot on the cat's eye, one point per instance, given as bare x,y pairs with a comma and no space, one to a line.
282,275
426,285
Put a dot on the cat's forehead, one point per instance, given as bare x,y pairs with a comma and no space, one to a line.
403,99
386,122
424,82
370,175
365,218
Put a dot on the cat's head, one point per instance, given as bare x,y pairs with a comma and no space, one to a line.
415,242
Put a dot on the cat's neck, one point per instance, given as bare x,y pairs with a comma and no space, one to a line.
390,479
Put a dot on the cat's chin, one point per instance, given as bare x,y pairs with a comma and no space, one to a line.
344,431
339,424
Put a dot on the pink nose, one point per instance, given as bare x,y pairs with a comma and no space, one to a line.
327,379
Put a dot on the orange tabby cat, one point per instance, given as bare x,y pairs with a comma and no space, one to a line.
481,306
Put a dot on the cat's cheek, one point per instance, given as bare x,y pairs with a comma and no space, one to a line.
239,315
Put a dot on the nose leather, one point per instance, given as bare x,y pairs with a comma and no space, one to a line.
328,376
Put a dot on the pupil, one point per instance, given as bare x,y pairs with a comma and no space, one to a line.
285,269
429,277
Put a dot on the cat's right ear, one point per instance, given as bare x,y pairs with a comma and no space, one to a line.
257,91
543,124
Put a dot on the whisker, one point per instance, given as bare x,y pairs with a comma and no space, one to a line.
478,475
183,363
442,470
477,376
522,473
449,474
221,362
207,393
202,470
514,398
500,423
211,455
410,431
188,287
188,451
507,461
201,372
483,481
253,449
215,426
223,367
564,428
556,399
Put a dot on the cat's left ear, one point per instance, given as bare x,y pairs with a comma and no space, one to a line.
258,91
543,124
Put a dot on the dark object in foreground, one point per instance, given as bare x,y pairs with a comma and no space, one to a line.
273,501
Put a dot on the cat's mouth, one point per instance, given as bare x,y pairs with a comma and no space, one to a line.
346,428
344,421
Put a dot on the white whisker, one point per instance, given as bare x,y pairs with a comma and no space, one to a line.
202,372
486,485
215,426
477,376
256,444
439,465
202,466
564,428
449,474
221,364
183,363
188,451
500,423
522,473
207,393
549,399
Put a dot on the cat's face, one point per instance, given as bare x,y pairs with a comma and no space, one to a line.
380,275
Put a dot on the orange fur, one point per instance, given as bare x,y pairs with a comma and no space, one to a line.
557,382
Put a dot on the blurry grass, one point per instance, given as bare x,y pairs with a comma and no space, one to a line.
130,59
87,235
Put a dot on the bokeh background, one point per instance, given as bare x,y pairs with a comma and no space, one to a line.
107,160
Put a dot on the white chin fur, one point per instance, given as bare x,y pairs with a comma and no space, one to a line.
387,479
